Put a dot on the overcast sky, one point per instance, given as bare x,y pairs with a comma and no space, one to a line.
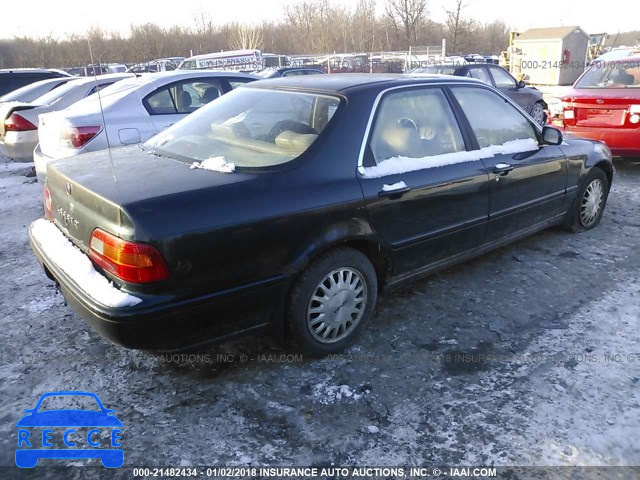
61,17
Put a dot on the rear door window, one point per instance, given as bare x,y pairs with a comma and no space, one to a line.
415,123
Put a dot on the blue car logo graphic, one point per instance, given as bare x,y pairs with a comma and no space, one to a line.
79,433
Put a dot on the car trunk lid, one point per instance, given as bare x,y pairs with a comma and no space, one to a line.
603,107
101,190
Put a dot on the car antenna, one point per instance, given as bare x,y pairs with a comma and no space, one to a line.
104,122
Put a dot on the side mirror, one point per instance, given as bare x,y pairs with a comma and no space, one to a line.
521,84
551,136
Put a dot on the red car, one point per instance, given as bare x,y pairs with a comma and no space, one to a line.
604,104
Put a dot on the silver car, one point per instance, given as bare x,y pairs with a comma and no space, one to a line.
19,120
133,111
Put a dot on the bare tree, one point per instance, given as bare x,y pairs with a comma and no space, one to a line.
456,24
410,13
245,37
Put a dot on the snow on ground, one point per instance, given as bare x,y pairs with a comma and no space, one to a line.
526,356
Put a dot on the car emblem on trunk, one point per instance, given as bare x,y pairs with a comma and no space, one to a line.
599,101
68,188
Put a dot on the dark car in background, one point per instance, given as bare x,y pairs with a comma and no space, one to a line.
30,92
12,79
529,98
604,104
288,72
288,204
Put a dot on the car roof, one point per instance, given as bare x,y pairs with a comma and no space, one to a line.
35,70
108,76
183,73
348,82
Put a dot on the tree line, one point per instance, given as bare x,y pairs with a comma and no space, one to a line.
309,27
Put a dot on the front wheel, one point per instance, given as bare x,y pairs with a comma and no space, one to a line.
331,301
538,114
591,201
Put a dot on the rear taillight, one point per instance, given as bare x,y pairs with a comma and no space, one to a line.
77,137
568,114
17,123
48,204
130,261
634,114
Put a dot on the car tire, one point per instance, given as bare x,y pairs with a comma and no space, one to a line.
538,113
590,203
331,302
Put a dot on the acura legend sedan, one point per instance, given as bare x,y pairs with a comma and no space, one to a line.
287,205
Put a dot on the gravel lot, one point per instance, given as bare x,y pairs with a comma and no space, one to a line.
527,356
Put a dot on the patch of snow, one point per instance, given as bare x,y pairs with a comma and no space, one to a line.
217,164
373,429
395,186
42,304
77,265
8,165
400,164
327,394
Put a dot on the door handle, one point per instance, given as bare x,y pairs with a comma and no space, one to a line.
394,193
502,169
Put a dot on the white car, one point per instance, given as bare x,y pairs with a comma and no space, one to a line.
133,111
19,120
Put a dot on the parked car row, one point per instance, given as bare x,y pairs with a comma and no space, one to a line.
129,112
19,120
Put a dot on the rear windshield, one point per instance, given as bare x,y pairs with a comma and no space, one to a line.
250,128
55,94
611,74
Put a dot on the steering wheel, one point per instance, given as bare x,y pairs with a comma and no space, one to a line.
291,125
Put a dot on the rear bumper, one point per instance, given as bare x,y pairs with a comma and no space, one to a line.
623,142
163,323
41,160
20,145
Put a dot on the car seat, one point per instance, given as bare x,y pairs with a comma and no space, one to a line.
210,94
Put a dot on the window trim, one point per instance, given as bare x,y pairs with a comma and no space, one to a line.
475,83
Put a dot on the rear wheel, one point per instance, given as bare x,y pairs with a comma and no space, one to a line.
332,301
591,201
